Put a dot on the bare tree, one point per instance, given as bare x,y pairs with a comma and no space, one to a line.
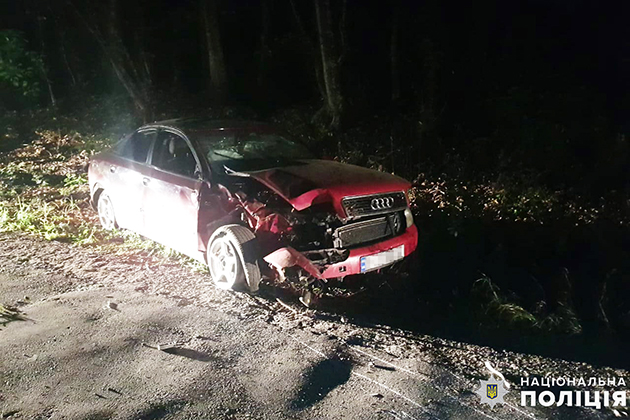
142,55
427,98
264,44
394,54
216,61
108,35
124,66
40,17
330,61
61,35
312,48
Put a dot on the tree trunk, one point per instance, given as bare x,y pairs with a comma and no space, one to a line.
124,66
61,35
394,54
137,95
116,53
330,63
427,115
216,62
429,85
343,32
264,45
314,55
40,31
64,55
144,67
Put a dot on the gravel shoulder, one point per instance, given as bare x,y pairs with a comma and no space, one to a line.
92,320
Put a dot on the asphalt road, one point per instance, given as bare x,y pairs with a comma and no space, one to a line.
136,336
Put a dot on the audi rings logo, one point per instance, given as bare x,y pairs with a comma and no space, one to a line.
382,203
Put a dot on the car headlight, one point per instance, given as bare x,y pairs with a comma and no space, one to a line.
408,217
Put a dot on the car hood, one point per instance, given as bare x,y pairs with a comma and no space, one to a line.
311,182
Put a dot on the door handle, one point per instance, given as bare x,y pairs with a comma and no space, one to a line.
145,181
112,169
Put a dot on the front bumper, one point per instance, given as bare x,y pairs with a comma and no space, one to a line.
283,258
352,265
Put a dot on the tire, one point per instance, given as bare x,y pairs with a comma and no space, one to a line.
106,214
232,258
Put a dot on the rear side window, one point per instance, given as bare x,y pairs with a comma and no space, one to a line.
137,146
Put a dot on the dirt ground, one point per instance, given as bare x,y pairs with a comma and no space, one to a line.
143,337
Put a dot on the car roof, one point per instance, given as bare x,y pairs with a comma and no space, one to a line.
207,124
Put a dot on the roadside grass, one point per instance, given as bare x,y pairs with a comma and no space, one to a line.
44,189
508,200
44,192
494,310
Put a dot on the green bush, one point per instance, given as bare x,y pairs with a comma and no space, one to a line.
20,69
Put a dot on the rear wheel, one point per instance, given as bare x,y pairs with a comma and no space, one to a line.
106,214
232,258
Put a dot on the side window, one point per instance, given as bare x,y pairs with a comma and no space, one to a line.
172,154
137,146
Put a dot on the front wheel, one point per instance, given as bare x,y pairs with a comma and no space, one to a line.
232,258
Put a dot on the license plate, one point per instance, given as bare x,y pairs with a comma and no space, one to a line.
375,261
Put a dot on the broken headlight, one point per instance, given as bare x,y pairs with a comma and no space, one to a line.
311,230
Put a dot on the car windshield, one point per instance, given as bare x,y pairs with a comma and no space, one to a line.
251,151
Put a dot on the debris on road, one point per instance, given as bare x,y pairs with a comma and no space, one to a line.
162,347
9,313
374,365
286,306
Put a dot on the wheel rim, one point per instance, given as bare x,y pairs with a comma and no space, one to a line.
106,212
223,263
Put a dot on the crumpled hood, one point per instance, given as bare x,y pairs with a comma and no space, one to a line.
319,181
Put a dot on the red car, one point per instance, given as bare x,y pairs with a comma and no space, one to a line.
251,203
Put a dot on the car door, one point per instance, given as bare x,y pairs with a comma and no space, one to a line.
126,171
171,193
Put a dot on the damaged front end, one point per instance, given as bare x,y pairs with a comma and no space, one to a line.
305,248
297,246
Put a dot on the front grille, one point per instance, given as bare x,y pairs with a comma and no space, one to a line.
366,205
369,230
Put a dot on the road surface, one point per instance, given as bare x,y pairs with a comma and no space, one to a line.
138,336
